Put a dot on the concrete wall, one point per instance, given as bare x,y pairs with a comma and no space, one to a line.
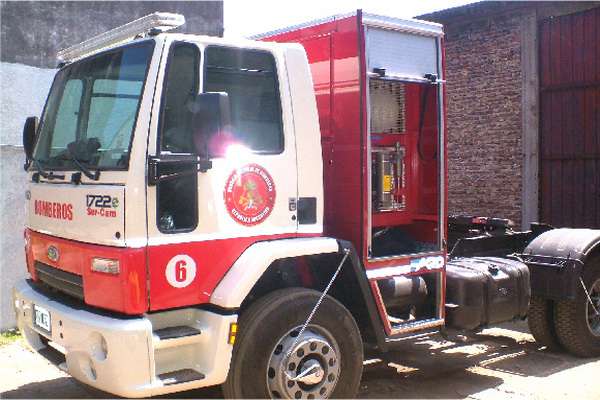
33,31
23,91
31,34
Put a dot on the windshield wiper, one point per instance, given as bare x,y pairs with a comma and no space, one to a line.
86,171
43,173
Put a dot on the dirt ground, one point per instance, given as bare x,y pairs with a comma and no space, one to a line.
500,363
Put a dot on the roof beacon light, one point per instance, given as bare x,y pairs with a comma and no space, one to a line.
157,21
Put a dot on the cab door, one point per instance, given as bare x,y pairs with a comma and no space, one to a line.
203,217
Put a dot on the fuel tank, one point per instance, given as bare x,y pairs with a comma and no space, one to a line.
481,291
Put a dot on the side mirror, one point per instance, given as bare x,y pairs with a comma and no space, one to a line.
29,136
211,122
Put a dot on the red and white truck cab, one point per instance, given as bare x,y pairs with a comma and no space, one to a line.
205,211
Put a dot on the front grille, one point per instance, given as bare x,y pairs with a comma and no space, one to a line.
63,281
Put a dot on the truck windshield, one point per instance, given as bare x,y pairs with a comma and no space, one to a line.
92,108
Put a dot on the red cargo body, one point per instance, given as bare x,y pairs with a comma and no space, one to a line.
336,53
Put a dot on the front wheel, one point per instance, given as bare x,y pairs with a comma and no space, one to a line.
272,358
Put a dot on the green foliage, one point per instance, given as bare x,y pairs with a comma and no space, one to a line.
9,336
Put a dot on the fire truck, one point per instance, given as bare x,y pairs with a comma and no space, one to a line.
256,213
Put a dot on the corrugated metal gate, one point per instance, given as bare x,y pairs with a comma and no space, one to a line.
570,120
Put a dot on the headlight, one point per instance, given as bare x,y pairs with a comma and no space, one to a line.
105,265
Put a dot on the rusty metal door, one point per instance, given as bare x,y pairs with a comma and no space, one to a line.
569,49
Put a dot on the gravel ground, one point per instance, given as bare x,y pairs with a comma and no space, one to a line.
500,363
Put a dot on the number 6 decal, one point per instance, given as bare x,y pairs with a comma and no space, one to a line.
180,271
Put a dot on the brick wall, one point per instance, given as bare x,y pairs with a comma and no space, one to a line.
483,64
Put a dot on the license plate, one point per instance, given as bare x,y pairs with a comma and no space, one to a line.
41,318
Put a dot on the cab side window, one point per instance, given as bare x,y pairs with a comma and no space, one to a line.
181,88
177,199
249,77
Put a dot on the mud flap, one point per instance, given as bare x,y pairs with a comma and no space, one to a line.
556,260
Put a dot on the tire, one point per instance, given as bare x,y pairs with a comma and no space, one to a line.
540,319
266,336
573,327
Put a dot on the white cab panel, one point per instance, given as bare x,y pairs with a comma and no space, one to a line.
308,135
86,213
214,219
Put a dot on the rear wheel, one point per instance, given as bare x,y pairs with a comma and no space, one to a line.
578,321
272,358
540,319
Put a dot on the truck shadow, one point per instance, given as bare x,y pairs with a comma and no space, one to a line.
69,388
430,367
436,368
59,388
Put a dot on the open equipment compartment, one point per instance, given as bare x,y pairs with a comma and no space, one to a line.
384,165
405,152
403,66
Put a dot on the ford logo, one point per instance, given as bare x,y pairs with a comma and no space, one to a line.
53,253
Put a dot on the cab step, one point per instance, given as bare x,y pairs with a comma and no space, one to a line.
176,336
176,332
180,376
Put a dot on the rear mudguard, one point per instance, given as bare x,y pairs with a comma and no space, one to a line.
556,260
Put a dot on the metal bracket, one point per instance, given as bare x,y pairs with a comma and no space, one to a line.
314,310
587,294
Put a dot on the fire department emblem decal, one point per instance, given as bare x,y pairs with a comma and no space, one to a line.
249,194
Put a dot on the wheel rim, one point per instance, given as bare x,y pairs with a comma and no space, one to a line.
593,318
305,367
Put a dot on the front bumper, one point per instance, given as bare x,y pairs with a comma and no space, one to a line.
124,356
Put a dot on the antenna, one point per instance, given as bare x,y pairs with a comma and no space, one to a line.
155,22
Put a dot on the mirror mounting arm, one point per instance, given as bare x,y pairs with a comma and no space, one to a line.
204,165
154,163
